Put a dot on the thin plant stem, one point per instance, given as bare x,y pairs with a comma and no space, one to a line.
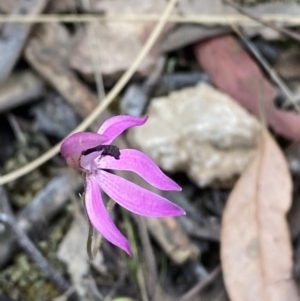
205,19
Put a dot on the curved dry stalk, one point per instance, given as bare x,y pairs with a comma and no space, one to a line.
213,19
103,105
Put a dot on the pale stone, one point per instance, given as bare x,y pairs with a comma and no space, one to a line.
200,131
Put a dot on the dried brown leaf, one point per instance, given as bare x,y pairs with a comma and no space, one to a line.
256,247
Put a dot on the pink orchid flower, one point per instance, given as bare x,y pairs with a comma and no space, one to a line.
93,154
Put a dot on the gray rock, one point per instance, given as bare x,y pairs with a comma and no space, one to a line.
200,131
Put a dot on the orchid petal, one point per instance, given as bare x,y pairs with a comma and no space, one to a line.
100,218
116,125
135,198
141,164
79,142
88,162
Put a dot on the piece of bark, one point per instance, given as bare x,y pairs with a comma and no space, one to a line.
44,206
47,53
171,237
14,36
256,251
20,88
